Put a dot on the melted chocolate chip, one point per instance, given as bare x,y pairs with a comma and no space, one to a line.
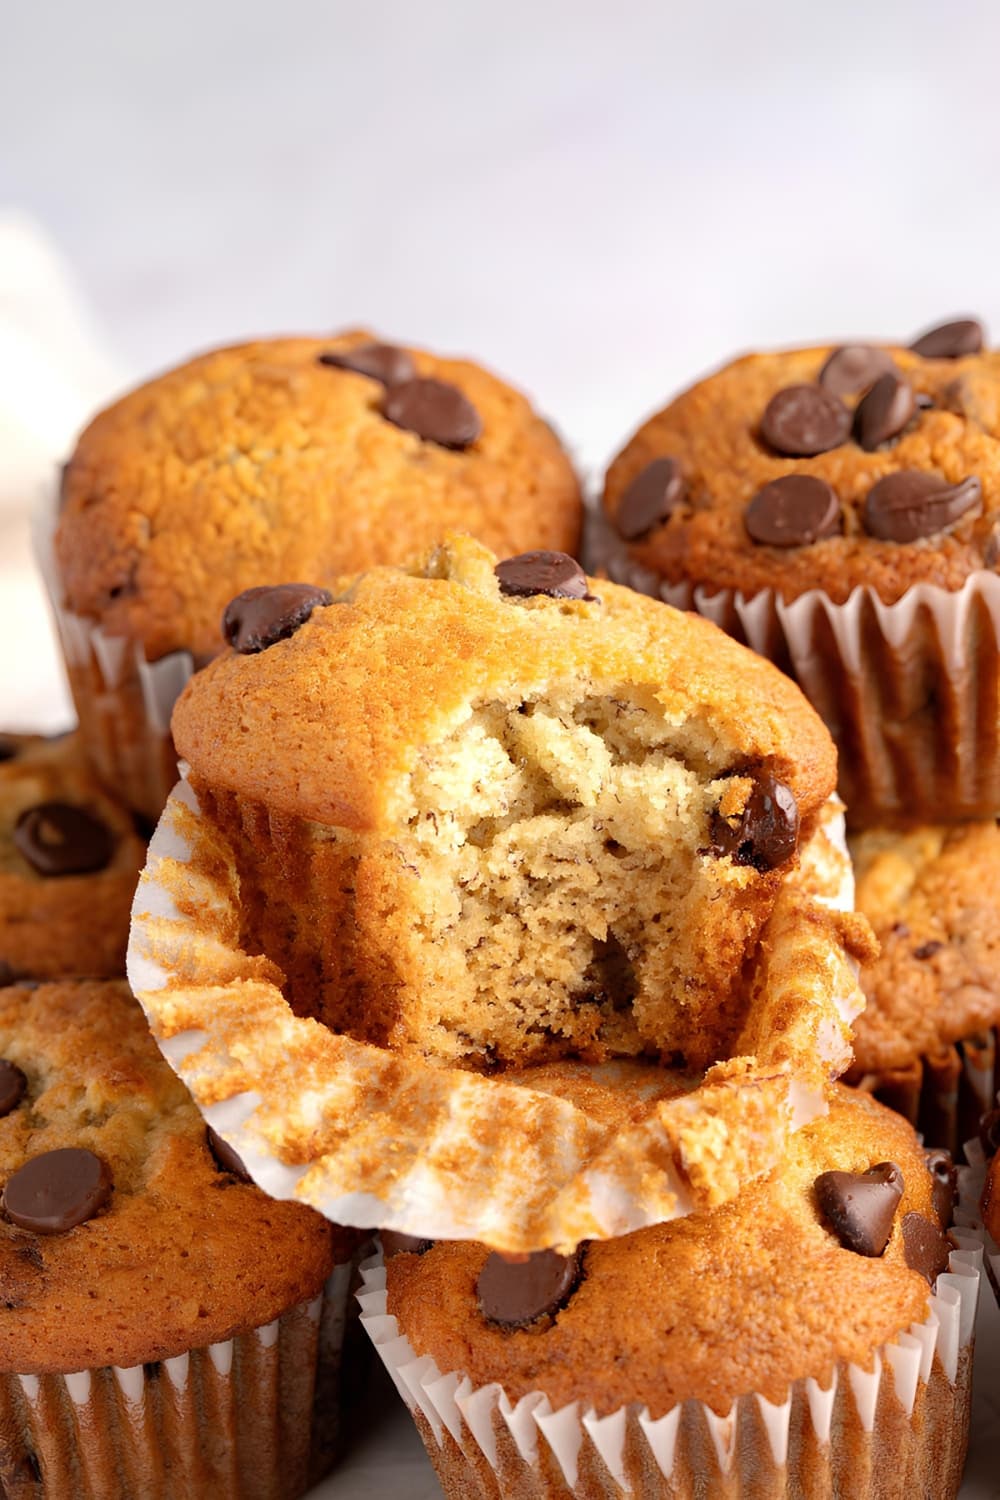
516,1293
54,1192
911,504
396,1243
925,1248
12,1086
793,512
650,499
950,340
767,832
861,1207
259,617
554,574
382,362
945,1183
928,950
9,748
803,420
434,410
226,1159
884,412
853,368
57,838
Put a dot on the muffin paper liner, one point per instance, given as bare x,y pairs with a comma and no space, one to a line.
898,1429
253,1416
374,1138
942,1094
968,1212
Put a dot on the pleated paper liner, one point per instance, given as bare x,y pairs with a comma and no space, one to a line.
374,1138
942,1094
968,1212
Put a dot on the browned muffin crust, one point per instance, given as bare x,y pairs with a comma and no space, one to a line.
183,1255
713,431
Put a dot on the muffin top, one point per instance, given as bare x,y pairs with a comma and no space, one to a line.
823,468
295,458
799,1272
931,896
149,1247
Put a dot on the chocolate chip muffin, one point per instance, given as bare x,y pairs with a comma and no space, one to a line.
69,861
296,458
162,1322
839,509
696,1354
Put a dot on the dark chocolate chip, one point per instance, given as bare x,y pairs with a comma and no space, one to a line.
9,748
853,368
944,1183
989,1131
861,1206
928,950
885,411
259,617
650,499
8,974
396,1243
516,1293
12,1086
56,1191
434,410
57,838
226,1159
382,362
950,340
925,1247
911,503
554,574
793,512
803,420
767,832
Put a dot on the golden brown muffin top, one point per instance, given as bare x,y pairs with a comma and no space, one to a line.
182,1254
329,722
260,463
746,1298
931,896
713,431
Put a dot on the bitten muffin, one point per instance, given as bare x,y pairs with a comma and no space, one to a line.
658,1353
501,814
296,458
772,492
137,1261
69,861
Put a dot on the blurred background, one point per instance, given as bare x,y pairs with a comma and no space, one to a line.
598,200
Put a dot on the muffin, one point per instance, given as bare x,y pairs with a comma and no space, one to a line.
295,458
926,1042
69,861
165,1328
839,509
744,1351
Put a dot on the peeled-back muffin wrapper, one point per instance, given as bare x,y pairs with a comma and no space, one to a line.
846,1433
374,1138
256,1413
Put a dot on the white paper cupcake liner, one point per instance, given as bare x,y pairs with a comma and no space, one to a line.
372,1138
855,1434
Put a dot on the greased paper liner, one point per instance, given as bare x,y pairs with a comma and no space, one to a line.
373,1138
253,1415
906,1418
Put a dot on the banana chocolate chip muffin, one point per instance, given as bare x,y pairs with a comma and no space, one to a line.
294,458
69,861
839,508
164,1326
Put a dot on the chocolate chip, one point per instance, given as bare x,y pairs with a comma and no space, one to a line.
853,368
57,1190
650,499
516,1293
911,503
928,950
925,1247
8,974
12,1086
793,512
767,832
950,340
59,839
259,617
434,410
861,1206
944,1183
884,412
554,574
396,1243
989,1131
803,420
383,362
226,1159
9,748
